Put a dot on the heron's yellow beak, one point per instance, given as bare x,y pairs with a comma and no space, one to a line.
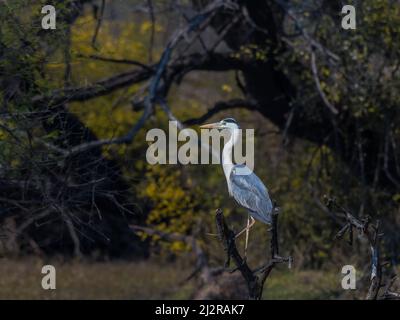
214,125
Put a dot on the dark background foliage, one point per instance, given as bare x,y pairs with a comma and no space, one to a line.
76,103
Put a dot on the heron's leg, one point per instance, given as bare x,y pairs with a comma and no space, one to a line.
247,237
247,227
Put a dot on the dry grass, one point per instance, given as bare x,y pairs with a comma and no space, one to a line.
21,279
305,285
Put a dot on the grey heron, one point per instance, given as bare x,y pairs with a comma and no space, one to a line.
248,190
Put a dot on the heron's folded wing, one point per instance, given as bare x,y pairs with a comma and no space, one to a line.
251,193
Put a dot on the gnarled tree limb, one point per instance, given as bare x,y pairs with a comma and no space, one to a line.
255,279
372,234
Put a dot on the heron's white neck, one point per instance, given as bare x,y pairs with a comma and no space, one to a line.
227,162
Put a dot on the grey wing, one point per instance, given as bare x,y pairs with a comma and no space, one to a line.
251,193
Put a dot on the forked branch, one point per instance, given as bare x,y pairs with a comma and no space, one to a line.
256,278
372,234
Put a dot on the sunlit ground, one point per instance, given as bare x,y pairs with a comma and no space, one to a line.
21,279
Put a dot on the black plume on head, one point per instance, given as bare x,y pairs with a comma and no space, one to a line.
231,120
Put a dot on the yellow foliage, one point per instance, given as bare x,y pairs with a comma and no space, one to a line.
226,88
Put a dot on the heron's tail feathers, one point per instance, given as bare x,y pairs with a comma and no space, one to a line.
264,217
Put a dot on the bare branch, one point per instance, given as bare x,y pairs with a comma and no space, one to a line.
98,24
373,235
388,294
128,138
211,62
318,84
255,279
115,60
100,88
221,106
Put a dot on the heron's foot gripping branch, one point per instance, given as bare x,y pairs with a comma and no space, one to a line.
255,279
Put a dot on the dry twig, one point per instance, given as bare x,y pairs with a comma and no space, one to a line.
372,234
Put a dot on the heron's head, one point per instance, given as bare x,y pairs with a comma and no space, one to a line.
228,123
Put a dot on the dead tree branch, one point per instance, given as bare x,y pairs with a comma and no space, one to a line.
255,279
317,81
192,62
221,106
98,24
387,293
372,233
